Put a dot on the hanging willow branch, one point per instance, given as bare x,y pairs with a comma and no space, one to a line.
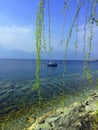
86,64
77,29
67,43
85,30
49,30
93,7
92,15
38,34
91,32
65,11
43,38
73,23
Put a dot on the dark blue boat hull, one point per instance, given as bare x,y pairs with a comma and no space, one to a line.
52,65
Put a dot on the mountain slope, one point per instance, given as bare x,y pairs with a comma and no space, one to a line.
55,55
14,54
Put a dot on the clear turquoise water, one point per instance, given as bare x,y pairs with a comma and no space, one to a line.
18,76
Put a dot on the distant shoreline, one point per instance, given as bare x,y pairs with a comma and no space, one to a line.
41,59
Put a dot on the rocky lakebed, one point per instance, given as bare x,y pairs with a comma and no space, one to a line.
81,115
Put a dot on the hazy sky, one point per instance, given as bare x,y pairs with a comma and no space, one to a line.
18,20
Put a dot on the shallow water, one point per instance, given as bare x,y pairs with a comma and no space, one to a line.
17,78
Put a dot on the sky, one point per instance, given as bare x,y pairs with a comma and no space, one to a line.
18,25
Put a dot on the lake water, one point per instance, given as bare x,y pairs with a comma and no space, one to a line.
17,78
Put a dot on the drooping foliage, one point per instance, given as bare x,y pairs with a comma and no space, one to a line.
90,17
39,34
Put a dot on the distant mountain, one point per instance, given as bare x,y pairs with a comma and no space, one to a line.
14,54
71,55
17,54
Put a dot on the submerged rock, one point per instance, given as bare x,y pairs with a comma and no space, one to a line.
78,116
31,119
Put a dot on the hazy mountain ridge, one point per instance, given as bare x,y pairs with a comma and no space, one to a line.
58,55
14,54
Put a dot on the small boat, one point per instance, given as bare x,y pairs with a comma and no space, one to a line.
52,64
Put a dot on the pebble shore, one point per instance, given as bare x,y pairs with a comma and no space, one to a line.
78,116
